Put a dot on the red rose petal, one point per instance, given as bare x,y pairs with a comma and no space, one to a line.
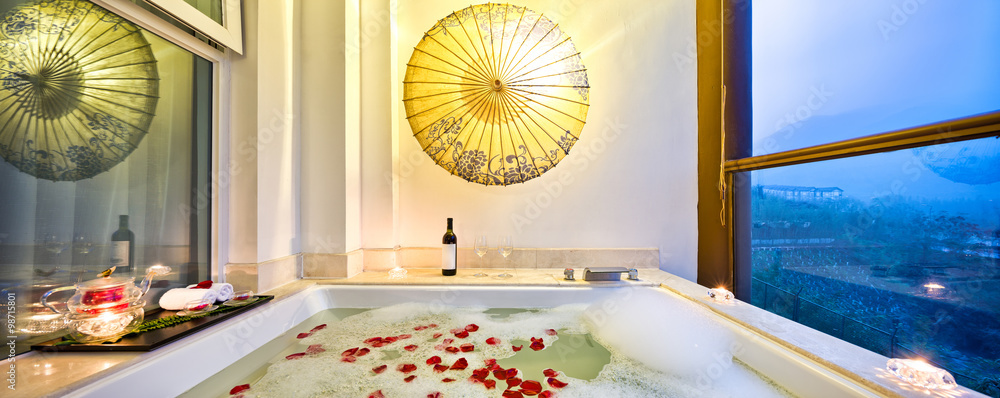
303,335
440,368
481,374
348,352
406,367
296,355
315,349
433,325
380,369
512,394
490,363
447,380
460,364
363,351
467,347
318,328
463,334
492,341
410,347
376,394
451,349
404,336
456,330
390,339
537,346
418,328
531,387
500,374
490,384
447,341
436,394
512,372
550,373
517,348
410,378
373,340
472,327
551,332
433,360
238,389
348,359
555,383
436,335
203,285
513,382
546,394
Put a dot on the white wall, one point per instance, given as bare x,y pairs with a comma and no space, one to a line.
629,182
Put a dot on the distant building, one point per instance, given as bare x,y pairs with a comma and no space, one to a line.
811,194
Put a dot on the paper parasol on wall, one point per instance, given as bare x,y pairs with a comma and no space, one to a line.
78,88
496,94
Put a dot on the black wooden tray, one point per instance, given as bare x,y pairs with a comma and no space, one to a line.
152,339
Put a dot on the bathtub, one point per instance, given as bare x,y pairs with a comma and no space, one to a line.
174,369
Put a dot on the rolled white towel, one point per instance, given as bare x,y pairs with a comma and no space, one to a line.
224,290
174,299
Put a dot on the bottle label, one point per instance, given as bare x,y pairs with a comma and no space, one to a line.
448,254
119,253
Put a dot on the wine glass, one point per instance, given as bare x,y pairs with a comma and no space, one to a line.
506,247
481,248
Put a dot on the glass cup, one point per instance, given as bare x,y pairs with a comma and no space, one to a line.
505,247
195,307
482,247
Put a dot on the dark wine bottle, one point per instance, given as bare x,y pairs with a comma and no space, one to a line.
449,252
123,246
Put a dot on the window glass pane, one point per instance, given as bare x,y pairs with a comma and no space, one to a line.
106,157
826,71
211,8
896,252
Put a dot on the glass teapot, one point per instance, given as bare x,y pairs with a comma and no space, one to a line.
105,308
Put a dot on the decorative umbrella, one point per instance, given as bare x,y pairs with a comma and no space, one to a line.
78,88
496,94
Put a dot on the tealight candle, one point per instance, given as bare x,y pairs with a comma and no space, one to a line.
720,294
242,295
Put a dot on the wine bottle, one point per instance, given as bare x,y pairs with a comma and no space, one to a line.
449,252
123,246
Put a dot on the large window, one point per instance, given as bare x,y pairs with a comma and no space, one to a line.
861,224
105,139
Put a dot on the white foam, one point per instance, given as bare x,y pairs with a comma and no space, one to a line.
634,329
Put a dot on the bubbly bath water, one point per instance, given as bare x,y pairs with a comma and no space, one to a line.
596,353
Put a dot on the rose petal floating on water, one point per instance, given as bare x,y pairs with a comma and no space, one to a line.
303,335
551,332
447,380
406,367
512,372
318,328
500,374
530,387
410,378
410,347
373,340
436,394
555,383
481,374
452,349
546,394
238,389
404,336
440,368
512,394
362,352
536,339
467,347
296,355
436,335
517,347
315,349
419,328
460,364
376,394
472,327
433,325
513,382
537,346
433,360
380,369
447,341
490,384
390,339
492,341
550,373
350,359
463,334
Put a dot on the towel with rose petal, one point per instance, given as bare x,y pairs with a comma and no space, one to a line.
224,290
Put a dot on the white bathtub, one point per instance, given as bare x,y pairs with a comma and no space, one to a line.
174,369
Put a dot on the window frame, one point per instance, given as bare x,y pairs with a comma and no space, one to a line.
725,143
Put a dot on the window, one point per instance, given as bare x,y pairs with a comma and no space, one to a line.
873,203
111,141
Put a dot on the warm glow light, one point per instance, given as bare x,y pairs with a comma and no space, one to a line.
720,294
921,374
